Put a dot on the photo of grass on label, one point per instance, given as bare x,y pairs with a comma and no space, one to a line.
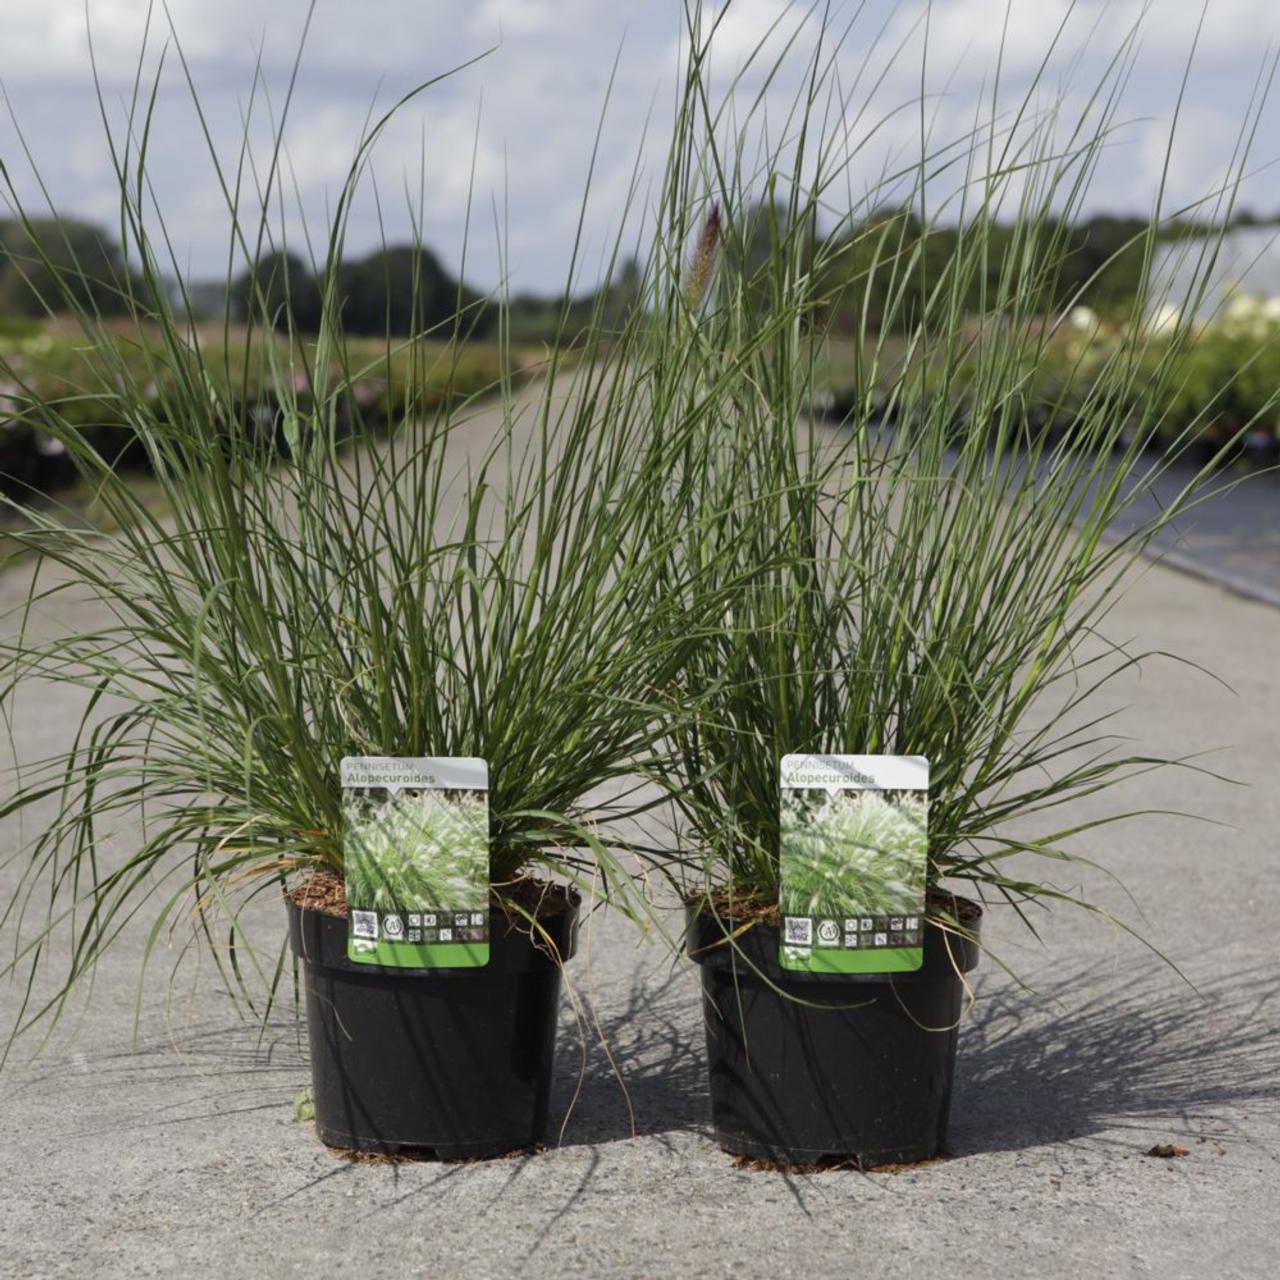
417,850
853,852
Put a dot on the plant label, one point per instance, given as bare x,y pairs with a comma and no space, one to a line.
416,847
853,863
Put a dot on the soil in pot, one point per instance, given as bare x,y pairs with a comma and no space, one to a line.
813,1068
450,1063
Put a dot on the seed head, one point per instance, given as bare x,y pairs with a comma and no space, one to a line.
702,264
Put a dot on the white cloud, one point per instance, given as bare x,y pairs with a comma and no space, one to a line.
321,144
52,37
971,34
516,17
751,25
1199,163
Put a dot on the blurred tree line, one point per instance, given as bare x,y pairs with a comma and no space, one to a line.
42,260
407,289
400,289
1099,263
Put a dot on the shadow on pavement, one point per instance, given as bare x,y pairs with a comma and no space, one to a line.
211,1069
637,1065
1086,1054
1141,1052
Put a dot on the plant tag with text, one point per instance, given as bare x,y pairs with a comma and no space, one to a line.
416,848
853,863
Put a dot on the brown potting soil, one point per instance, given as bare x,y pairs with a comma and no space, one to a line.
321,891
745,910
325,892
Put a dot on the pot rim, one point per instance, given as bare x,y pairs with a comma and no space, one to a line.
750,948
319,940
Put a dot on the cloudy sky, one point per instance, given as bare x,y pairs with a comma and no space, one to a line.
515,129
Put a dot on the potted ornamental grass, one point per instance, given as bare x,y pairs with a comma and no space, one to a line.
373,670
886,738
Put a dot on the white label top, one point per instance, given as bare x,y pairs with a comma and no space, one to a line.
856,773
451,773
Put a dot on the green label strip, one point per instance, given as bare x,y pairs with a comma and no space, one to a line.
838,960
418,955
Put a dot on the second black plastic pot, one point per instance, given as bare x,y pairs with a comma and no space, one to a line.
451,1062
806,1068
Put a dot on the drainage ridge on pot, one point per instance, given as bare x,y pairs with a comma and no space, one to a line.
809,1067
455,1063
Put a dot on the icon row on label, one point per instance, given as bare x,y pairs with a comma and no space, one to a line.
461,926
888,931
447,935
456,919
898,938
880,924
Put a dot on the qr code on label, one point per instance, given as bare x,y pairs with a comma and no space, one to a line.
798,931
364,924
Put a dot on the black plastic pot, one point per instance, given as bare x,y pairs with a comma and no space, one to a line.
806,1068
454,1063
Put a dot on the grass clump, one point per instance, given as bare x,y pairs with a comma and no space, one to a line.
933,576
485,578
